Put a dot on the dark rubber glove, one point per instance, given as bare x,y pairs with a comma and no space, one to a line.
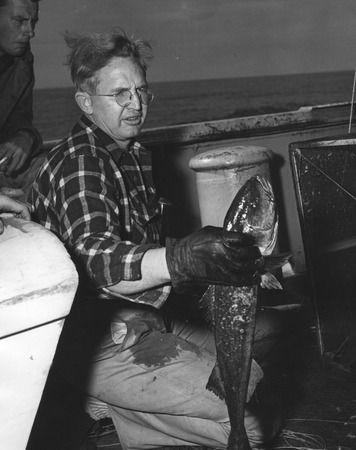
212,255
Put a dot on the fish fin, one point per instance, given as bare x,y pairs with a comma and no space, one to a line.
269,281
273,262
215,384
256,375
276,261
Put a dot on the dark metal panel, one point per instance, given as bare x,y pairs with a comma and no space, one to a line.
324,174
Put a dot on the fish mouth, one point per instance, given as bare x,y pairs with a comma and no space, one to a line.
267,187
271,243
272,229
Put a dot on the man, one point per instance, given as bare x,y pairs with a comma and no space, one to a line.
19,140
146,370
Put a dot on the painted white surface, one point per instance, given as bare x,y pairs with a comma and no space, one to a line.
25,360
38,282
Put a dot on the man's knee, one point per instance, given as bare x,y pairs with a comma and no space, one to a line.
271,325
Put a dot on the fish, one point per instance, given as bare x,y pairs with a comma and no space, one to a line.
230,311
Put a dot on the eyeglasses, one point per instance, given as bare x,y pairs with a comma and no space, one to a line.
124,97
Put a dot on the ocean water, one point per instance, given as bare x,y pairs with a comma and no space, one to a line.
55,110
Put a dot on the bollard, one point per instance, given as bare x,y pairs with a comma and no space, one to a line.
221,172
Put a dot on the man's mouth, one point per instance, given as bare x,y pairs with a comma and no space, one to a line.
22,44
133,119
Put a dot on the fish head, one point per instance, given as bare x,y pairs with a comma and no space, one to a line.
253,212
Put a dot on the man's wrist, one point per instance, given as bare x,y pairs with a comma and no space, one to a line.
27,134
29,137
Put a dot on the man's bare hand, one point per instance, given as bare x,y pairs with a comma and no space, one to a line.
10,205
15,152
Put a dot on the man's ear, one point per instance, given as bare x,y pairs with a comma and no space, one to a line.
84,102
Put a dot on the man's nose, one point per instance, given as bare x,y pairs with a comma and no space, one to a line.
135,101
29,29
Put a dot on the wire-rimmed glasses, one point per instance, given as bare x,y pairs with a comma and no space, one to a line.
124,96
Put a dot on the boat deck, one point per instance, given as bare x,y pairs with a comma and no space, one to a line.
318,396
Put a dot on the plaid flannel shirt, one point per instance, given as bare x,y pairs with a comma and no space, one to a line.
101,202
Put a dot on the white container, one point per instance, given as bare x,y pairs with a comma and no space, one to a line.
220,173
38,282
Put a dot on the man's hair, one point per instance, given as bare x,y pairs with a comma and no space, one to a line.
91,52
5,2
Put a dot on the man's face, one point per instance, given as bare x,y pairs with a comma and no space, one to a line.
17,26
122,123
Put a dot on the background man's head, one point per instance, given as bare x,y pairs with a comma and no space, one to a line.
18,19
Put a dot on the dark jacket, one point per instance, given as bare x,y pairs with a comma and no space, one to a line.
16,88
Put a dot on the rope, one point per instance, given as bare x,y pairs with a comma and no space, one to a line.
352,101
328,177
301,441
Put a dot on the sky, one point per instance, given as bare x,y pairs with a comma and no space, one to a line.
206,39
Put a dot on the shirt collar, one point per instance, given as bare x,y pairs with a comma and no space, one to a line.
112,146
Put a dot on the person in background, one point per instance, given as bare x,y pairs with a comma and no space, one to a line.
12,206
138,363
19,140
